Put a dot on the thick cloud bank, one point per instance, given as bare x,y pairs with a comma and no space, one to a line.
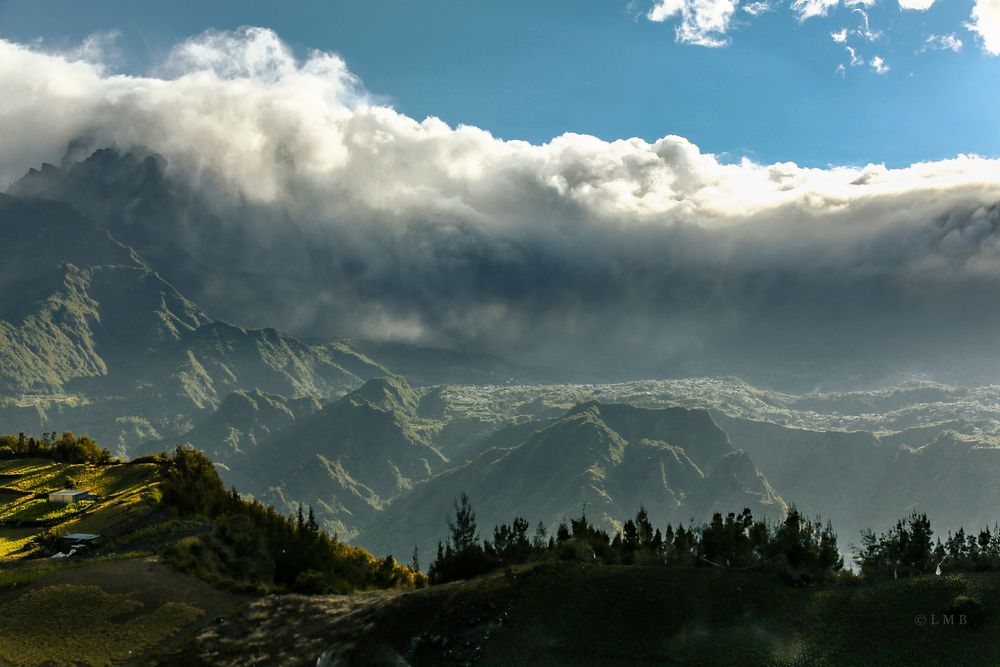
650,255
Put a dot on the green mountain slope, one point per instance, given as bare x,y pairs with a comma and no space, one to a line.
859,480
244,421
677,462
348,460
83,316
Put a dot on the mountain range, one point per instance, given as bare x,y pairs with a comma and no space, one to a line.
116,320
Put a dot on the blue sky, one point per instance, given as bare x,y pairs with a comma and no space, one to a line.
531,70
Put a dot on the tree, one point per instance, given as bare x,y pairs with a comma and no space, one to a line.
540,540
461,556
510,543
643,528
906,549
311,524
192,485
630,537
562,532
415,560
464,533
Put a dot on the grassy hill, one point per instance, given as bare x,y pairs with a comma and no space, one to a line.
102,611
118,600
108,607
122,505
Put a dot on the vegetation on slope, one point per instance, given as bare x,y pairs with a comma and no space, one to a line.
171,505
214,533
250,547
798,550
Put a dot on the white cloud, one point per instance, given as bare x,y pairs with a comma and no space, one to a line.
916,5
100,48
807,9
856,60
702,22
757,8
665,9
878,64
949,42
228,108
840,37
986,23
865,31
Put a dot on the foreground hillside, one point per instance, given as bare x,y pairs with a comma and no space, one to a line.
577,614
158,549
100,611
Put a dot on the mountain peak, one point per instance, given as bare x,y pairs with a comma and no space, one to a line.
389,393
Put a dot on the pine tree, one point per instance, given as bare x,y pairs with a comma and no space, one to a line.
562,533
644,529
311,525
464,533
540,537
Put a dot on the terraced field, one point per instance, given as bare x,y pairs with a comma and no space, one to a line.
25,513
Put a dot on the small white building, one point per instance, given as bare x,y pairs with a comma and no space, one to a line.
69,496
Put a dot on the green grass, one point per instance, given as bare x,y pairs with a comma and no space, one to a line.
25,466
39,509
101,611
21,573
12,540
122,503
84,624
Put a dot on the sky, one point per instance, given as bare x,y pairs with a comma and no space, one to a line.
772,81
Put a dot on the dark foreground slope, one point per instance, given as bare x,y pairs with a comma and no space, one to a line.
574,614
102,611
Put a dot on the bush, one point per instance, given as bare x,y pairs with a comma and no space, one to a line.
967,611
68,448
311,582
192,484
